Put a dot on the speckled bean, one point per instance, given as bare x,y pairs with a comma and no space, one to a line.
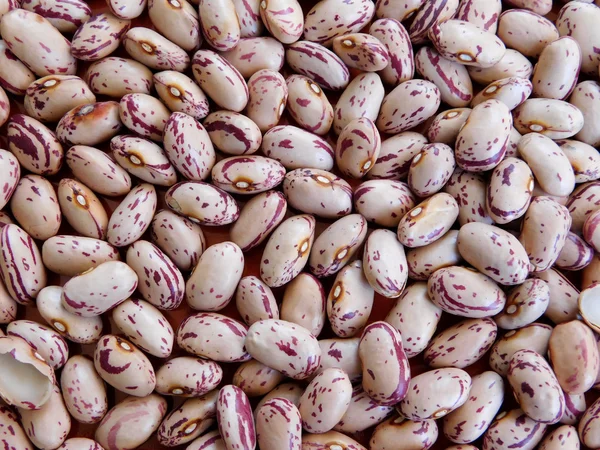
187,376
144,115
12,434
524,304
423,261
386,371
219,24
583,201
82,209
177,21
322,26
233,133
419,435
132,216
234,416
154,50
361,98
561,438
509,190
209,441
268,97
180,93
8,307
83,390
392,34
585,98
362,51
291,391
469,190
383,202
579,21
512,64
15,76
318,63
432,12
89,124
554,119
341,353
430,169
483,13
296,148
513,429
80,444
511,91
134,77
557,70
284,19
248,12
256,53
563,296
279,425
575,406
385,264
358,147
362,413
396,155
255,301
218,207
399,11
584,159
195,336
576,254
526,31
308,105
100,36
304,303
46,342
127,9
256,379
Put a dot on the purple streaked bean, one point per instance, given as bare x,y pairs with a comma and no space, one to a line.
154,50
385,265
256,379
45,341
98,171
209,441
285,347
255,301
296,148
511,91
584,159
51,97
350,301
37,43
430,14
588,426
190,420
383,202
308,105
465,292
524,304
575,406
358,147
420,435
563,296
512,64
561,438
291,391
284,19
585,98
220,80
81,330
256,53
187,376
396,155
234,416
65,15
15,76
541,7
304,303
82,209
34,145
100,36
428,221
132,217
513,429
576,254
143,159
127,9
80,444
268,97
145,326
526,31
144,115
451,77
392,34
386,371
195,336
233,133
318,63
181,93
247,174
83,390
398,11
552,118
415,317
342,353
133,77
423,261
248,12
362,51
590,273
583,201
408,105
557,70
483,13
21,265
430,169
27,380
8,307
35,207
585,33
89,124
303,188
509,190
99,289
362,413
323,24
462,344
470,421
325,400
178,21
435,394
219,24
279,425
130,423
213,281
217,208
12,434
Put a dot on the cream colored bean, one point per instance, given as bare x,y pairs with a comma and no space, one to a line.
35,206
296,148
15,76
396,155
435,394
469,191
383,202
509,190
563,296
350,301
582,203
256,53
132,217
585,33
362,51
219,207
584,98
309,106
358,147
482,13
233,133
255,301
34,145
220,25
512,64
552,118
524,304
181,93
234,416
268,97
99,289
526,31
453,289
318,63
416,317
37,43
284,346
322,26
386,371
304,303
21,265
248,12
342,353
130,423
562,438
575,406
100,36
557,69
361,98
513,428
82,330
284,19
80,444
385,263
8,307
256,379
408,105
362,413
430,169
51,97
83,390
432,12
155,51
278,425
187,376
291,391
12,433
587,307
576,254
177,20
392,34
89,124
127,9
46,342
247,174
548,163
145,326
209,441
398,11
423,261
584,159
213,281
512,91
413,435
287,250
82,209
144,115
134,77
428,221
533,337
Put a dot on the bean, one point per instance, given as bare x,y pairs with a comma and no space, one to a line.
361,98
290,391
308,105
526,31
80,444
82,209
278,425
15,76
432,12
236,423
362,51
342,353
330,441
304,303
255,301
181,93
586,34
469,191
396,155
318,63
585,162
187,376
213,281
524,304
362,413
127,9
398,11
256,379
154,50
100,36
587,307
248,12
509,191
297,149
562,437
233,133
552,118
552,79
513,428
420,435
576,254
589,274
383,202
132,216
177,21
575,406
284,19
563,296
322,26
83,390
247,174
12,433
209,441
89,124
135,77
482,13
385,263
511,91
392,34
430,169
219,24
8,307
268,97
256,53
582,203
46,342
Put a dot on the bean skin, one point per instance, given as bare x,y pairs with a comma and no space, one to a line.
256,53
431,13
15,76
319,64
82,209
100,36
482,13
561,438
220,25
247,174
420,435
513,428
248,12
322,26
512,64
255,300
585,162
385,263
398,11
154,50
186,376
89,124
233,133
362,51
12,433
278,425
284,19
256,379
136,78
524,304
133,216
361,98
395,38
304,303
526,31
83,390
181,93
383,202
296,148
308,105
177,21
423,261
396,155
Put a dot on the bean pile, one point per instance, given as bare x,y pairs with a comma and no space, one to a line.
433,158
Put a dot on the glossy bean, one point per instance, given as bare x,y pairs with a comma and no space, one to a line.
524,304
100,36
255,301
135,77
304,303
89,124
218,208
186,376
154,50
83,390
132,216
233,133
